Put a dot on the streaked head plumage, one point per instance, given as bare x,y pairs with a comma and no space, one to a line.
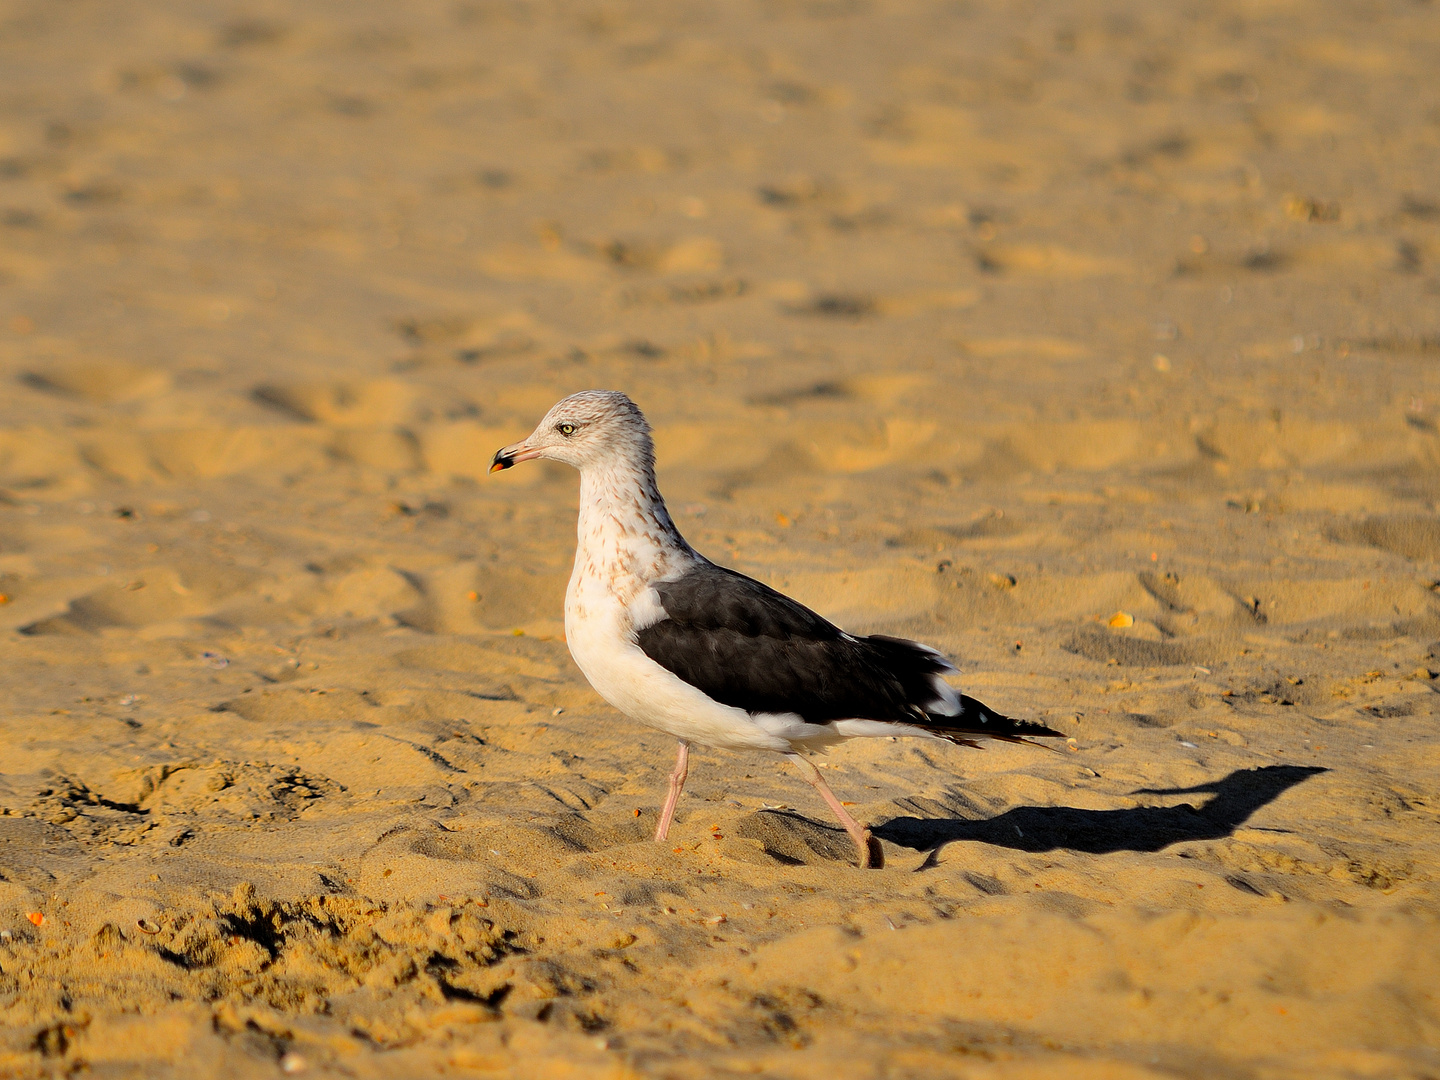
585,429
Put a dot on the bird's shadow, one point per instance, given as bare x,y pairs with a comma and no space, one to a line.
1098,832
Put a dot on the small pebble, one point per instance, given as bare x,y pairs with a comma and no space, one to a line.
292,1063
715,920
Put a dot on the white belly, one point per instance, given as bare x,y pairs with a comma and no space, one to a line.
598,630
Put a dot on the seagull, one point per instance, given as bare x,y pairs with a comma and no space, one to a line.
711,656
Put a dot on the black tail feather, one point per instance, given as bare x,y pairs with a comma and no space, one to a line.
977,718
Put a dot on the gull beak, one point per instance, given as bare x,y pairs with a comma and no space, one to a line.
513,454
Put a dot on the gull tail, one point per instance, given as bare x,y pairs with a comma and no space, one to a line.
977,718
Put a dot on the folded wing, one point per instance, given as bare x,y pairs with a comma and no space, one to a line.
746,645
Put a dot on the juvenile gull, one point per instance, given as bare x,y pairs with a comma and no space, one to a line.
710,655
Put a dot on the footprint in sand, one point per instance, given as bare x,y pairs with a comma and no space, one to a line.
1412,536
152,597
375,401
104,382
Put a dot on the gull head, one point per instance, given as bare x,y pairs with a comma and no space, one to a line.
588,429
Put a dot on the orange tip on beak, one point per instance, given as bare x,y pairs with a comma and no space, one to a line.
507,456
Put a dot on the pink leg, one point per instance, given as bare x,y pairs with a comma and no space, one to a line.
858,832
677,781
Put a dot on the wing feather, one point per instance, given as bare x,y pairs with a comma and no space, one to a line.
746,645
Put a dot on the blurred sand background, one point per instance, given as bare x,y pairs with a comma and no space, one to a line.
1095,343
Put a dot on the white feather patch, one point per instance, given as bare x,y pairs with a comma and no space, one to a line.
875,729
646,610
790,726
947,698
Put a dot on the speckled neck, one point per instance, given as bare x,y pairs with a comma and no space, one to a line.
624,531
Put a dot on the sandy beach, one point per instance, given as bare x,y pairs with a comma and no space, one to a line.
1095,345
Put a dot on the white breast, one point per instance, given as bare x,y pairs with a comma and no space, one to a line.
600,631
623,545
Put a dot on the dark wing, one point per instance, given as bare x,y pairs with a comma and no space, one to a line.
748,646
977,718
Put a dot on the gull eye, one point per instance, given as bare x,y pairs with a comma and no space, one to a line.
566,429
